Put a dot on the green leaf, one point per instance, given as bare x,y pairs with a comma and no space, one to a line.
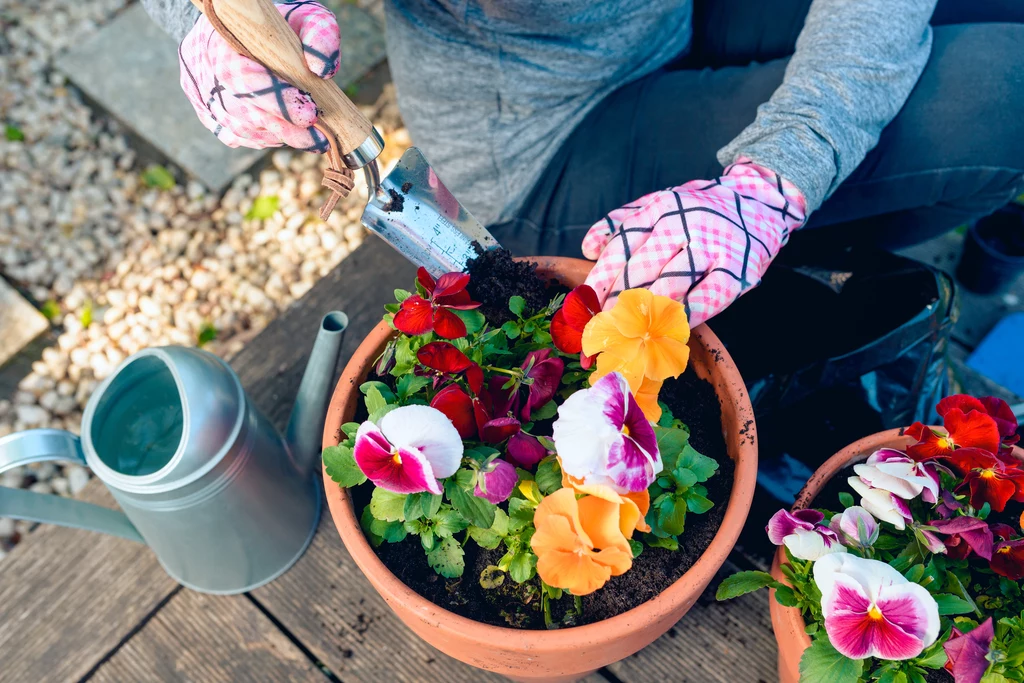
516,304
477,511
933,657
698,504
491,538
786,596
701,465
447,558
392,532
342,467
159,177
846,500
511,329
410,384
491,577
520,514
387,506
448,522
13,134
419,505
950,604
523,567
402,294
365,521
263,207
666,543
549,475
349,429
474,320
636,546
821,662
672,516
383,389
666,415
428,540
50,310
207,333
915,573
670,444
546,411
742,583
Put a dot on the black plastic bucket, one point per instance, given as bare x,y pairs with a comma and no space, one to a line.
993,254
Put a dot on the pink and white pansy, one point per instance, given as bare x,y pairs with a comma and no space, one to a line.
803,534
603,437
409,450
893,471
871,610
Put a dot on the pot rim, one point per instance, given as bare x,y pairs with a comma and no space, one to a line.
857,451
390,586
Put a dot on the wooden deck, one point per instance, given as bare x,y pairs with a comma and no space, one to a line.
76,606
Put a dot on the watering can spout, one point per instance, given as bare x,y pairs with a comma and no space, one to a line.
306,425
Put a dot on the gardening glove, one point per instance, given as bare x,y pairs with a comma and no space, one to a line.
243,103
703,243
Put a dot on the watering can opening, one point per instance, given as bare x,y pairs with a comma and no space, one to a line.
139,423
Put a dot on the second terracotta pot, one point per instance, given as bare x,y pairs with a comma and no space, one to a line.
787,622
571,653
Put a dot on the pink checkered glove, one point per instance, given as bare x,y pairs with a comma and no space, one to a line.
243,103
703,243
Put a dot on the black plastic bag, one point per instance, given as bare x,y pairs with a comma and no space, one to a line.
872,323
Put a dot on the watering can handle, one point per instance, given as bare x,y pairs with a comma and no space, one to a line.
41,445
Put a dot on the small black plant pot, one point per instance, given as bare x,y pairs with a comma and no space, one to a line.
993,254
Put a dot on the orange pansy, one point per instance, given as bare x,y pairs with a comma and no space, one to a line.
633,506
579,543
643,337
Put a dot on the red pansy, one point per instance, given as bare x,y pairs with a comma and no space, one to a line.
580,305
973,429
448,293
543,373
455,403
990,479
996,408
497,430
446,361
1008,559
525,450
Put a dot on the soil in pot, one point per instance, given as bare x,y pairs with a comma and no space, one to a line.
495,278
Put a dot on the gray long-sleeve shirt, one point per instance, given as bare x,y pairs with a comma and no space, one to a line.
491,88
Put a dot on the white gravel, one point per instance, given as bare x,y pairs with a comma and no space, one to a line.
128,266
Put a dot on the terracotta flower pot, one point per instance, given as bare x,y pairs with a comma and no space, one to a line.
787,622
571,653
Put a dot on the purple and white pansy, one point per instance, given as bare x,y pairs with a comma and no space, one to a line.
871,610
409,450
893,471
603,437
803,534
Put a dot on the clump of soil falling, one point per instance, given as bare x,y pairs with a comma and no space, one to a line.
494,278
396,203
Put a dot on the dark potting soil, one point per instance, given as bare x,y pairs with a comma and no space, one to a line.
939,676
494,278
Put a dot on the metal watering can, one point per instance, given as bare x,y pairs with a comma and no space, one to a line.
203,477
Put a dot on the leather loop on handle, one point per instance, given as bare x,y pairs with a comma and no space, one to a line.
255,29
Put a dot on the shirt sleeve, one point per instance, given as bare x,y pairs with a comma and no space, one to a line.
856,62
175,17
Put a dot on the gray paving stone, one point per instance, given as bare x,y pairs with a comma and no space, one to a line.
130,69
20,322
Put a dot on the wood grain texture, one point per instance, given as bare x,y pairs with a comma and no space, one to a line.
209,639
716,642
68,597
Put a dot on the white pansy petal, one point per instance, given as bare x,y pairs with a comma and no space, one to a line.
429,431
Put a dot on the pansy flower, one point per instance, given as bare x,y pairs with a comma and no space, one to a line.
642,336
454,402
855,527
1008,559
966,424
891,470
579,543
420,315
871,610
989,479
996,408
445,362
568,323
411,448
803,534
495,481
541,374
967,653
525,450
882,504
965,534
604,438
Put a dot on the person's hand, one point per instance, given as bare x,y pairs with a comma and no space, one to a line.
243,103
703,243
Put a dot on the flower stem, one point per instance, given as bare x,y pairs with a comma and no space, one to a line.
546,605
510,373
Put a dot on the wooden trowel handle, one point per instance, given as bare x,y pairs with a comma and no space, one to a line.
264,32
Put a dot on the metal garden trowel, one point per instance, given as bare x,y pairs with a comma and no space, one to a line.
410,208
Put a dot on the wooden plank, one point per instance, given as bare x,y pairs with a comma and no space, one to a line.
212,639
68,597
715,642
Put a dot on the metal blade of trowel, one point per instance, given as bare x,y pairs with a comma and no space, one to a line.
415,213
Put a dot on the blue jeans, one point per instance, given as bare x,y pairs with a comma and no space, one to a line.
954,153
